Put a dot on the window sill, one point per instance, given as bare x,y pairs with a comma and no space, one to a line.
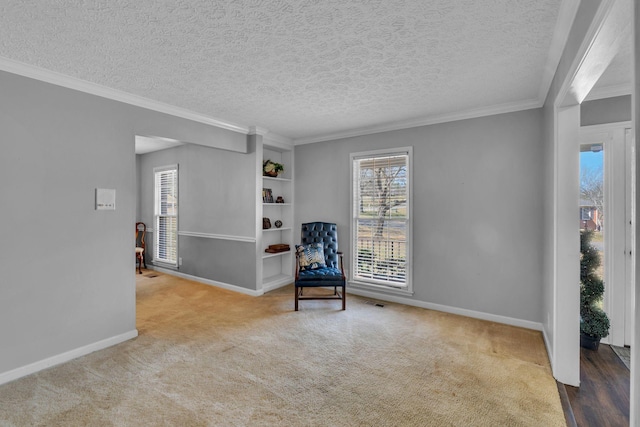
164,265
382,288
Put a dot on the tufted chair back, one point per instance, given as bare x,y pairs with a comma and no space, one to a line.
325,233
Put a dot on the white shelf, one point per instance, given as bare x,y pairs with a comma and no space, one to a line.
268,255
276,204
269,178
276,229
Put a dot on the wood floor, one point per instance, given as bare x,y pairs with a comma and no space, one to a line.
603,396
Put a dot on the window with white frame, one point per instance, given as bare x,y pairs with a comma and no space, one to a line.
585,213
165,248
381,219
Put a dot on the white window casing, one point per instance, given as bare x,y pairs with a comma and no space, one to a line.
165,248
381,212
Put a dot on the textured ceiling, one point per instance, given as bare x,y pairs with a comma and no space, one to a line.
299,68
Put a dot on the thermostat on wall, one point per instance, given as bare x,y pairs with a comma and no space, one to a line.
105,199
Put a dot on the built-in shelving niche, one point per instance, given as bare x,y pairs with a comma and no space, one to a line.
277,269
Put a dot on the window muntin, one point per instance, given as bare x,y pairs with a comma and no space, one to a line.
166,215
381,212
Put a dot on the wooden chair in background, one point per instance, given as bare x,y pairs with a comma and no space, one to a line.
141,231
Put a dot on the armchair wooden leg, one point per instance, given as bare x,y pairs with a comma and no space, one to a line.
296,292
344,297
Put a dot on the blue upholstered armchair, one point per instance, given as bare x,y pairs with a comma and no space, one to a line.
318,262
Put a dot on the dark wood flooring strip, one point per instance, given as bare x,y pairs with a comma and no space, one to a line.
603,396
566,405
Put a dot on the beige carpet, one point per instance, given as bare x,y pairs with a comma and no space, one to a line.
207,356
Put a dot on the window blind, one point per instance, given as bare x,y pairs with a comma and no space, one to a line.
381,218
166,215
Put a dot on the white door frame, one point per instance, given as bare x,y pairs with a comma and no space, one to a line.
566,238
617,262
596,52
630,152
600,45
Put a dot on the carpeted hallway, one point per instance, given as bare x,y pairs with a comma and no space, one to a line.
211,357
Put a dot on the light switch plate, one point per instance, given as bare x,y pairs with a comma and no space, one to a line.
105,199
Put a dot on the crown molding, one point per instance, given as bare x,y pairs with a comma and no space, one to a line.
274,137
271,139
257,130
430,120
58,79
566,16
609,92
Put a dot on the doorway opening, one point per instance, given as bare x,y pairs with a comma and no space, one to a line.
606,35
606,201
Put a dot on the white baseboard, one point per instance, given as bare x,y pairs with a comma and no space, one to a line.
32,368
547,344
276,285
391,298
202,280
448,309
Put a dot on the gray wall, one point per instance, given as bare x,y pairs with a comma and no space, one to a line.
216,195
67,269
477,203
608,110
